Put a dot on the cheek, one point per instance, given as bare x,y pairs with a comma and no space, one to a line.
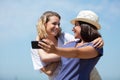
78,29
48,27
48,30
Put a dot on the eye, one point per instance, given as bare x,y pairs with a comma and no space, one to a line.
55,23
77,24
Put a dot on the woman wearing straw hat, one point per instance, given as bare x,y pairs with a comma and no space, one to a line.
78,57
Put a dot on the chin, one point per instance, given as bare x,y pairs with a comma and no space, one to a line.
76,37
55,34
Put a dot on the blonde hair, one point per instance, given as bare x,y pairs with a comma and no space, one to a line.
41,23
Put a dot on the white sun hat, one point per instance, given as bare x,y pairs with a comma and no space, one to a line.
88,17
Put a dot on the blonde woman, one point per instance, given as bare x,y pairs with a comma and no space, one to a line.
48,27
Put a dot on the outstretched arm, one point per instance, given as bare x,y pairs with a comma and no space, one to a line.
84,52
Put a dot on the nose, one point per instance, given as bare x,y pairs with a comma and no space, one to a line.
57,26
73,28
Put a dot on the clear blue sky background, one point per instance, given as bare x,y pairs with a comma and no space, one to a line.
18,20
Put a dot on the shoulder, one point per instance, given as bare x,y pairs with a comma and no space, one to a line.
70,42
68,36
99,50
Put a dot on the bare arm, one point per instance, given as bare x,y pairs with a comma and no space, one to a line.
45,57
84,52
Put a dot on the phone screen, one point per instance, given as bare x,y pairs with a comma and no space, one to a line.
34,45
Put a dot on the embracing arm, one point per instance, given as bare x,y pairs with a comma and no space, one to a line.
98,42
83,53
45,57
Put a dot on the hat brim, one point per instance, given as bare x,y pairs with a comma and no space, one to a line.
88,21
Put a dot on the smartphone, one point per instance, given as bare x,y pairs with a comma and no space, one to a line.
34,45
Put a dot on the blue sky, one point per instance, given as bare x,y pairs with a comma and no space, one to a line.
18,20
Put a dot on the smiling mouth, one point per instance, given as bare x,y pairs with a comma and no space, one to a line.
55,31
74,31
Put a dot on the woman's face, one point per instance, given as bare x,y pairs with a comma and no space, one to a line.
53,26
77,29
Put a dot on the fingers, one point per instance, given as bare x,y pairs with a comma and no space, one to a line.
101,43
98,43
47,45
43,45
45,41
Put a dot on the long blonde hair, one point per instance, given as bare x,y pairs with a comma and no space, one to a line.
41,23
